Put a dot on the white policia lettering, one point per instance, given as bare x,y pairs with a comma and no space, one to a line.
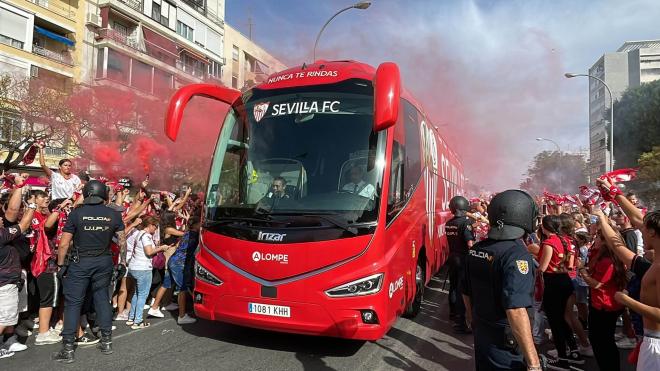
97,218
479,254
92,228
305,107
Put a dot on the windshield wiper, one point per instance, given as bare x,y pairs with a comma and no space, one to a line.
232,219
329,217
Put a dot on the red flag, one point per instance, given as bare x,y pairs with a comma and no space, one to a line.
30,155
589,196
571,199
621,175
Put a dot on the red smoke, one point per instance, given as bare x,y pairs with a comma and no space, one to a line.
107,156
122,133
147,150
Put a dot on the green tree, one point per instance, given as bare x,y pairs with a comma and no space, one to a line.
31,110
555,172
647,184
636,123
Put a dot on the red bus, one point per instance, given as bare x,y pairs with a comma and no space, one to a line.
327,197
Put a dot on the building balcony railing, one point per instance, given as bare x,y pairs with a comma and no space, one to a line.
62,57
121,38
60,9
196,71
135,4
198,5
132,42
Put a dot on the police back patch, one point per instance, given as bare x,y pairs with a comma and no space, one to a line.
523,266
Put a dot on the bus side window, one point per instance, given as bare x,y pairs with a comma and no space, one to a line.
413,156
396,197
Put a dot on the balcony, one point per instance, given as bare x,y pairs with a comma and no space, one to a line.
57,7
62,57
196,70
121,38
198,5
135,4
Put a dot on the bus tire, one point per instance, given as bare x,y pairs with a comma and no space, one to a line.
420,276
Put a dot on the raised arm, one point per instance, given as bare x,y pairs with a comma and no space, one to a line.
613,239
14,204
42,162
631,211
137,211
183,201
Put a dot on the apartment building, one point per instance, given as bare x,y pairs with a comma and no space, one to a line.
634,63
153,46
247,62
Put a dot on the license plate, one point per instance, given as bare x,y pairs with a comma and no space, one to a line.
269,310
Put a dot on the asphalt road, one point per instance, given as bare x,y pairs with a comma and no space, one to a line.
426,343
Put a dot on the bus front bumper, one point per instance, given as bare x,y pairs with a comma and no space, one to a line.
303,318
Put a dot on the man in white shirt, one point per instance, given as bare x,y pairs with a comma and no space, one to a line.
63,183
357,185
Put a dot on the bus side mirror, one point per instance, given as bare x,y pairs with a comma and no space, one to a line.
182,96
387,92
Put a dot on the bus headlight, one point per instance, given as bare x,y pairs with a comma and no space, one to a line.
364,286
203,274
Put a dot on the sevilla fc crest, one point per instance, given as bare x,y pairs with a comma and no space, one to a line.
260,110
523,266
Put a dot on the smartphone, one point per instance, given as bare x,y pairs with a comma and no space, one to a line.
593,219
544,209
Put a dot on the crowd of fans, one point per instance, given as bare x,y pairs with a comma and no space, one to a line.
591,252
153,266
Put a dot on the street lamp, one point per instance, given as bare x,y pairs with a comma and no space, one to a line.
361,5
570,76
559,151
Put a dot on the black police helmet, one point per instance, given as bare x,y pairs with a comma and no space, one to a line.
95,192
511,214
459,204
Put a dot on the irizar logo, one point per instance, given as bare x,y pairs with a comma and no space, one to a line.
280,258
271,237
395,286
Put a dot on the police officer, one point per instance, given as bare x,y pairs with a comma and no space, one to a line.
460,238
91,227
499,284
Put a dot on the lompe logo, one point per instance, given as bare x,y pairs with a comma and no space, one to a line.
256,256
260,110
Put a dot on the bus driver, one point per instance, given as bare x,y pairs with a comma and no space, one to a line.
357,185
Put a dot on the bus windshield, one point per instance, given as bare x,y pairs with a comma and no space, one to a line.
303,151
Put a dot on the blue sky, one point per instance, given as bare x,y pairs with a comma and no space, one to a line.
488,72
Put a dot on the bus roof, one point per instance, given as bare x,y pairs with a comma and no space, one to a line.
330,72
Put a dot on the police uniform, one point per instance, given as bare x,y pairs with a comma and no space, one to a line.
459,233
92,225
499,276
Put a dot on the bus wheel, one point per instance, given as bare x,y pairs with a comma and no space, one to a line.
416,305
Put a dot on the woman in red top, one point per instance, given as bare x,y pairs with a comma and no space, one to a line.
606,275
555,259
567,233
